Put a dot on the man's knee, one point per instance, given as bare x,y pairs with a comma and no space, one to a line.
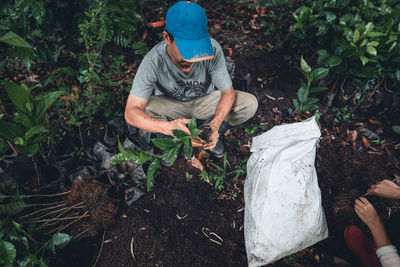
250,104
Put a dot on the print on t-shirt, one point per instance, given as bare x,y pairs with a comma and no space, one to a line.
188,90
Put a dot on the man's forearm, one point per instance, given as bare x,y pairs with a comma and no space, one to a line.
224,107
140,119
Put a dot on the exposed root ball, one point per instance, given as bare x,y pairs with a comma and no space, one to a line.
99,206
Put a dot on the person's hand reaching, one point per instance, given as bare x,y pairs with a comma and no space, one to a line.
385,189
367,212
179,124
370,217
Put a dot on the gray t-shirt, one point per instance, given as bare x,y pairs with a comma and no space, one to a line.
157,73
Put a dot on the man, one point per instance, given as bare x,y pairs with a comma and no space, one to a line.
184,72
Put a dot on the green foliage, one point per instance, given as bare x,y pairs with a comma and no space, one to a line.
219,176
170,148
20,244
342,114
27,126
255,129
396,128
378,141
19,47
354,39
304,102
53,21
57,21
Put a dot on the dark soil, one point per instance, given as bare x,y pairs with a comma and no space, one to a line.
205,132
174,225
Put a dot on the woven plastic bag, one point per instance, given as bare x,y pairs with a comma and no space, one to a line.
283,212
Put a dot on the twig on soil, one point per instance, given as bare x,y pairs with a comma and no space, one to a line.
14,154
133,254
37,172
101,247
205,229
43,154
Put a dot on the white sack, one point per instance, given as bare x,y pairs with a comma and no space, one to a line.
283,212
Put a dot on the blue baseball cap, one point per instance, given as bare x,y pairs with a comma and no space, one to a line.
187,23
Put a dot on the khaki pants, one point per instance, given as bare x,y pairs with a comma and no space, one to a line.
164,108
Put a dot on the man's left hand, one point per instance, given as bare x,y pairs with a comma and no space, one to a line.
213,139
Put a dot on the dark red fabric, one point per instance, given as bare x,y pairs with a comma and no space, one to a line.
363,248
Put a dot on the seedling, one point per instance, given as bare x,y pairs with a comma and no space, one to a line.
378,141
304,102
219,178
27,130
170,148
342,114
255,129
188,175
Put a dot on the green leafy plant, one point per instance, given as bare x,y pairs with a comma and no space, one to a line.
218,178
342,114
378,141
95,31
27,127
396,128
357,41
18,46
20,243
304,102
170,148
255,129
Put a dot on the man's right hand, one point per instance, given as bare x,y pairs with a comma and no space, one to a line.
386,189
179,124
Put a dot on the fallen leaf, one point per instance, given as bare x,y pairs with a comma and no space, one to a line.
344,143
230,51
365,142
276,110
244,149
374,122
200,155
144,35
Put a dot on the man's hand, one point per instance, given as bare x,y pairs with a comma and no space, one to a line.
198,142
179,124
213,138
386,189
367,213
